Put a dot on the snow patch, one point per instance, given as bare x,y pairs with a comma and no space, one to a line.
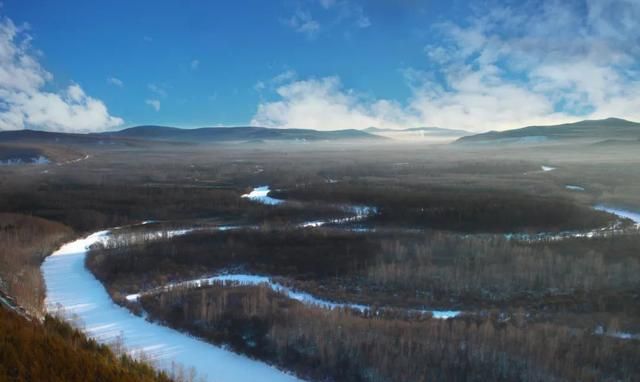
574,188
260,195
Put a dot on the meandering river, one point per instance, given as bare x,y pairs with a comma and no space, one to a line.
74,291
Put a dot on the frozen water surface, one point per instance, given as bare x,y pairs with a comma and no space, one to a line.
260,195
627,214
73,290
303,297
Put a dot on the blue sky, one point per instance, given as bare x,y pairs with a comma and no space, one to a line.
325,64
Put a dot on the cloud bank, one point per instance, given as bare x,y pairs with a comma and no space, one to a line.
324,104
24,102
540,62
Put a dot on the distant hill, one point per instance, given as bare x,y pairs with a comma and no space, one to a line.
174,134
423,131
34,135
610,129
248,133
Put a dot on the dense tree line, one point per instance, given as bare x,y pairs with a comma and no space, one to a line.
24,243
433,268
89,207
302,254
475,269
341,346
484,209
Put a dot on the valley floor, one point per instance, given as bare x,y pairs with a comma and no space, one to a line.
415,264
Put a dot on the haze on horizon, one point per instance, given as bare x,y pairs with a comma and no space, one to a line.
318,64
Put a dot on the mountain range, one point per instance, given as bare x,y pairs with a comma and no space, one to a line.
610,129
199,135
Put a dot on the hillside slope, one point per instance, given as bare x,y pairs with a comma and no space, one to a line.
54,351
594,130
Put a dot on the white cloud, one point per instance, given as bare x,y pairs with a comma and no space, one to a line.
324,104
286,76
349,12
259,86
273,83
326,4
327,14
115,82
195,64
25,104
158,90
302,22
154,103
542,62
361,20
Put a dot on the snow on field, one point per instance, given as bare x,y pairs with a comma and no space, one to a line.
547,168
72,290
635,216
303,297
260,195
574,188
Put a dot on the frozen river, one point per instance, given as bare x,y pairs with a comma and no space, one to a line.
73,289
75,292
231,280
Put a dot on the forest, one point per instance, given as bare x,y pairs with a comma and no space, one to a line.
348,347
455,209
390,268
24,242
475,232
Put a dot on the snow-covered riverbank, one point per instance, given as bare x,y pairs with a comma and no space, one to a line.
72,290
622,213
303,297
611,230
